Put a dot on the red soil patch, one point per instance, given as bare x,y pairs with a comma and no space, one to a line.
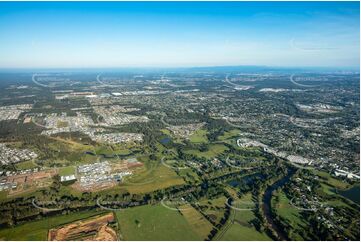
90,229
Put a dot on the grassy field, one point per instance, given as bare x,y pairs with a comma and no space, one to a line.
154,223
198,223
327,189
189,175
200,136
214,150
241,233
336,183
25,165
215,208
153,178
219,202
66,171
3,195
38,230
288,213
166,131
106,150
73,152
239,227
234,133
68,190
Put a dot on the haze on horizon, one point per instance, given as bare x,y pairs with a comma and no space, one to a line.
178,34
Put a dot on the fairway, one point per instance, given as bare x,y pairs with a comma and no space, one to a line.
154,223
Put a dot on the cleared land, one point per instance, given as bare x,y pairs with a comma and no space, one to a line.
95,228
30,182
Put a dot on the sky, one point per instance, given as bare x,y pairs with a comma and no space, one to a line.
178,34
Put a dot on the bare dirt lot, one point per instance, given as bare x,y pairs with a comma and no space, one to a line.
94,187
30,181
96,228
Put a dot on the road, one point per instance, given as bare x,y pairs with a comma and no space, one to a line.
301,85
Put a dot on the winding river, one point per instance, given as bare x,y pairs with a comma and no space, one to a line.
266,205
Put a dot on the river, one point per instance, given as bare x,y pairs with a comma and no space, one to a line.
266,205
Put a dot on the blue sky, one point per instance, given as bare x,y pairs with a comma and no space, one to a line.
172,34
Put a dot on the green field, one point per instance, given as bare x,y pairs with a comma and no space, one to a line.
336,183
327,189
289,214
239,227
213,151
154,223
189,175
25,165
214,208
38,230
234,133
242,233
198,223
200,136
151,178
3,195
66,171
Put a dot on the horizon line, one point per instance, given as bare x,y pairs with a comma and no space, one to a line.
185,67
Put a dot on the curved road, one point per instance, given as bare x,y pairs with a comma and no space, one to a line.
33,78
104,84
301,85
